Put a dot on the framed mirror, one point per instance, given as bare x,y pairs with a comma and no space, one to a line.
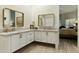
12,18
46,20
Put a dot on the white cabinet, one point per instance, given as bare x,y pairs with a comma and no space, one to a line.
44,38
20,40
31,36
38,36
52,37
15,42
25,38
47,37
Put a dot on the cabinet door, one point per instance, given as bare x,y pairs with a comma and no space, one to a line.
15,42
31,36
44,37
26,38
52,37
23,38
38,36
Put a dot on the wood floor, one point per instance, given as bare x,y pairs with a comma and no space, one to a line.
65,46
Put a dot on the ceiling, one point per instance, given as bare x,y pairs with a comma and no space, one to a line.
67,8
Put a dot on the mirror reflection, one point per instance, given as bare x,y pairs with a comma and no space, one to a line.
46,20
19,20
12,18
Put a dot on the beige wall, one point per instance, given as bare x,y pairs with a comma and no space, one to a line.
25,9
45,9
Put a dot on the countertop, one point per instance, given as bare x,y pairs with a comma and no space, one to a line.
27,30
54,30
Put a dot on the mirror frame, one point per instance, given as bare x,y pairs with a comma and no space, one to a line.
15,11
44,15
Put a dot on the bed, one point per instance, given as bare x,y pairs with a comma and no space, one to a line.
68,33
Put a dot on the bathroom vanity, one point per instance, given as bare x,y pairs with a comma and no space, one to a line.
12,41
47,36
14,38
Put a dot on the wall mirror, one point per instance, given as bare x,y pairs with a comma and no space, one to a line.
46,20
12,18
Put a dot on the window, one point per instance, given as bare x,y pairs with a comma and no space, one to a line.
70,22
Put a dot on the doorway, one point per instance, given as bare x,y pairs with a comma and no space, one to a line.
68,24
